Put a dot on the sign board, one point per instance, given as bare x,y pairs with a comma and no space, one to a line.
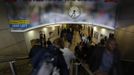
21,24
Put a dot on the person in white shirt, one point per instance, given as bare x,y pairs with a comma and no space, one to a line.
68,54
84,38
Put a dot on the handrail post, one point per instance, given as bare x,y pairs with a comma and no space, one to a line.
12,66
76,67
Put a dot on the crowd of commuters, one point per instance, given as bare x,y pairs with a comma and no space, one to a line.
50,58
67,34
102,58
53,58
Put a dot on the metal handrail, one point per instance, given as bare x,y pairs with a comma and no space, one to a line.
4,59
85,67
11,61
89,71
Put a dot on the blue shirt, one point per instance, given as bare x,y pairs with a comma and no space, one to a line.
107,61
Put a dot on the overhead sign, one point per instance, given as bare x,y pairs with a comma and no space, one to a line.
19,23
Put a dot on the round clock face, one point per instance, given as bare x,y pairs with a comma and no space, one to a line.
74,12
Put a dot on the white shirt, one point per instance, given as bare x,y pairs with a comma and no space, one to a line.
84,38
68,56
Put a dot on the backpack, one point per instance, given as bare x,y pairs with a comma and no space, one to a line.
45,60
50,58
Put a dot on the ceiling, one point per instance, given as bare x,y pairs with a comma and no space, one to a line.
124,12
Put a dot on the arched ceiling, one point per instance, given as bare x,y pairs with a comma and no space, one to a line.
97,12
44,12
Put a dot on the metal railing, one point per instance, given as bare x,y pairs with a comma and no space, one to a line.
79,67
11,60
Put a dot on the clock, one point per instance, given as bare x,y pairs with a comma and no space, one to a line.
74,12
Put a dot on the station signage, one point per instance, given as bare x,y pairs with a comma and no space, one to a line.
19,24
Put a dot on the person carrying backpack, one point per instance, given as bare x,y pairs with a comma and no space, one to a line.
49,61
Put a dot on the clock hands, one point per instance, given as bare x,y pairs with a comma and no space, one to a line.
73,14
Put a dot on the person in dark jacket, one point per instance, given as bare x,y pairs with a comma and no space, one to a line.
58,43
35,48
49,43
78,50
41,38
47,54
89,38
105,60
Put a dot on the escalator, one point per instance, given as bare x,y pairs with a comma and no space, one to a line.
15,66
22,66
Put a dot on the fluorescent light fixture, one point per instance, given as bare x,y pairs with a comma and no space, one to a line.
95,28
31,32
103,29
45,29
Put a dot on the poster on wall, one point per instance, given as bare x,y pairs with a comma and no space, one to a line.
47,12
96,35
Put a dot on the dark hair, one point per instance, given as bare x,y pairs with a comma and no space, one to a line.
35,42
111,36
49,42
59,42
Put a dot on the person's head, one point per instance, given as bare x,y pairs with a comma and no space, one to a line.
40,32
105,38
44,36
83,35
111,44
58,43
35,42
102,42
81,43
111,36
49,43
66,44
